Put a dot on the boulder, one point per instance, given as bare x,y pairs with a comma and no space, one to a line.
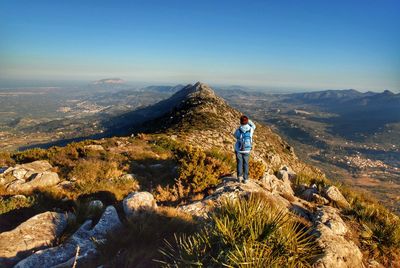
94,147
37,180
308,193
320,200
83,238
127,177
36,233
283,175
330,230
230,188
29,176
137,202
36,166
311,194
95,205
334,195
281,186
292,175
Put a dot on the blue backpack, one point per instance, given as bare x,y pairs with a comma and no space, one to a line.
245,141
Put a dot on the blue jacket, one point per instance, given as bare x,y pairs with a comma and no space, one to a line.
250,126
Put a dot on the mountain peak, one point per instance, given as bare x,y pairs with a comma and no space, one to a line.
198,90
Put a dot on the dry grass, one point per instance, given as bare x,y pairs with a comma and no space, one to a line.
136,245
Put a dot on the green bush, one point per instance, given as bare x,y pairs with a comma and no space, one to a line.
30,155
197,171
244,233
11,203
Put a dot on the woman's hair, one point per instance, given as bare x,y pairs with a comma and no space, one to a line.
244,120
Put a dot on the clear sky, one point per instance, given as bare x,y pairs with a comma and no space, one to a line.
304,44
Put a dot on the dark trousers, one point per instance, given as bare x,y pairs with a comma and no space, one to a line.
242,161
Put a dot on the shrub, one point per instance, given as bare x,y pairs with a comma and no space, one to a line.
93,169
256,169
244,233
11,203
380,229
6,159
197,171
30,155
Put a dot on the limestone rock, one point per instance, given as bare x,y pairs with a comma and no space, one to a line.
137,202
65,254
29,176
95,205
308,194
36,166
281,186
283,175
94,147
127,177
333,194
338,251
230,188
36,233
44,179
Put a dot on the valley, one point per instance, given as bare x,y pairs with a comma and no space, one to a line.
362,149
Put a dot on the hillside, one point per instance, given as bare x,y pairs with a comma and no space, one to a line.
351,136
166,196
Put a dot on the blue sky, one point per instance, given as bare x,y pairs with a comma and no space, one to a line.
306,44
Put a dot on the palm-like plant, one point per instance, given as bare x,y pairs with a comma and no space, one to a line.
244,232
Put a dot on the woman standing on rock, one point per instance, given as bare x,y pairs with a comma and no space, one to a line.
244,141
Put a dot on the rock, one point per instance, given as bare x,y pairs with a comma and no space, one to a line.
320,200
30,176
283,175
127,177
230,188
44,179
137,202
311,194
308,194
334,195
95,205
330,230
286,171
36,166
65,185
84,237
281,186
36,233
374,264
94,147
19,173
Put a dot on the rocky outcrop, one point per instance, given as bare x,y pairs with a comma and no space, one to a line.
281,185
81,241
312,195
330,229
29,176
137,202
36,233
334,195
231,188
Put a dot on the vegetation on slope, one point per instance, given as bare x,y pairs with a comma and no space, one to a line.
244,233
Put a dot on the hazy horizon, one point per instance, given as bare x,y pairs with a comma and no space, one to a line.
307,46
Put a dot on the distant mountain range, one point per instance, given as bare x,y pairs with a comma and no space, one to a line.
109,81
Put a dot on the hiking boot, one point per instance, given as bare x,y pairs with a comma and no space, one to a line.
245,181
240,179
